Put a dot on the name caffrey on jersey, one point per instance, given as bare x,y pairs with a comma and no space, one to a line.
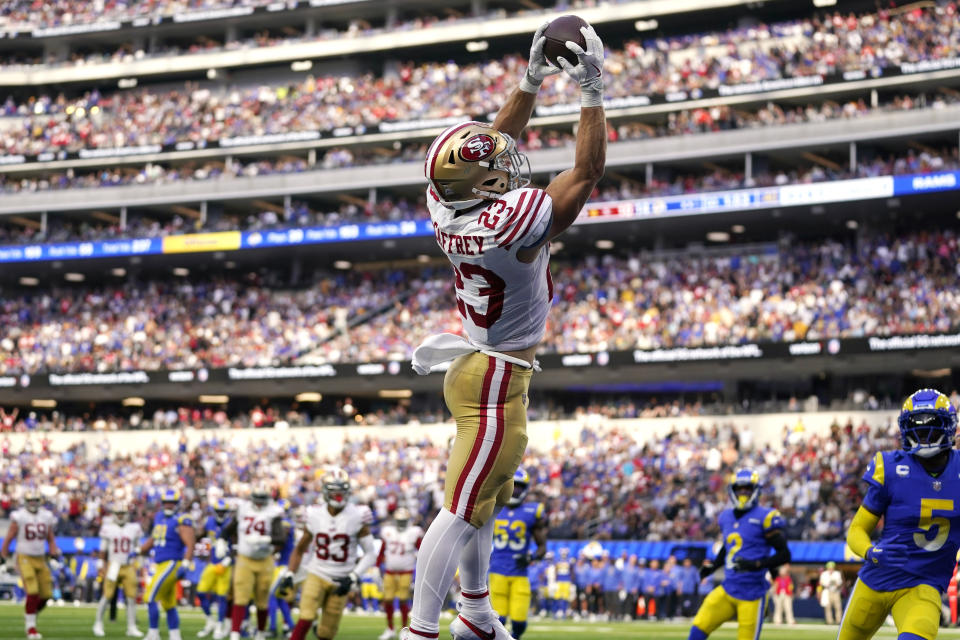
463,245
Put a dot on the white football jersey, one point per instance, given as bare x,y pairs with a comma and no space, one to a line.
400,547
503,302
253,529
32,530
120,541
334,547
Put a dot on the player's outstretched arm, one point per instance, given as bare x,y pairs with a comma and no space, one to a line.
516,111
570,190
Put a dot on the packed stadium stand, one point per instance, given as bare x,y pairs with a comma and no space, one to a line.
216,258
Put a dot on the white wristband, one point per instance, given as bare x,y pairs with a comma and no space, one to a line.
528,86
591,98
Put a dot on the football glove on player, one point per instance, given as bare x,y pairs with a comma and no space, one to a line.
589,70
345,583
893,554
537,67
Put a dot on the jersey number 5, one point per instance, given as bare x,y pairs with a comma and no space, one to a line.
493,291
927,521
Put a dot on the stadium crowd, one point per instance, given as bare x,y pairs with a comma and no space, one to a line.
203,113
606,485
683,122
664,182
601,303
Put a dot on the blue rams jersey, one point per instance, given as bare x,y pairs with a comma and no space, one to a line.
744,537
564,570
212,529
167,544
513,537
288,544
919,511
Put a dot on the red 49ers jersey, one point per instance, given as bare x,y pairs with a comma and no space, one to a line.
503,302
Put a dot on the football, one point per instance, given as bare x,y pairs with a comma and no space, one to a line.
558,33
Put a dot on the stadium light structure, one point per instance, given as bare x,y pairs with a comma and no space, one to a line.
214,399
29,281
133,401
308,396
43,403
718,236
395,393
604,245
824,3
646,25
474,46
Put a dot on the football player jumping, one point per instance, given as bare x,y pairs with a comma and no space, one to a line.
336,529
750,532
496,231
915,490
33,528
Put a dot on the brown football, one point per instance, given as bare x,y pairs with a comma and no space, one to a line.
558,32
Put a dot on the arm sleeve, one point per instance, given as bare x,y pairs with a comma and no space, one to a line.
369,555
719,559
863,524
781,555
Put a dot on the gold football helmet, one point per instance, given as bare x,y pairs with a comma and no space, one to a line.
471,162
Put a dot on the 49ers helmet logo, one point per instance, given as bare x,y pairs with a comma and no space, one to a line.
477,148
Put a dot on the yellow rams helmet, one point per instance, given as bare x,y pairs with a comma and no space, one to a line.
471,162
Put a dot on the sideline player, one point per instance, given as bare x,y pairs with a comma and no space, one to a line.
495,231
214,585
172,540
33,528
337,529
915,490
119,541
749,533
516,528
259,531
398,556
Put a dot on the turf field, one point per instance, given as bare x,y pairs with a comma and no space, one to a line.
67,623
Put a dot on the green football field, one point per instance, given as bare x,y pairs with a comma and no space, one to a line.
67,623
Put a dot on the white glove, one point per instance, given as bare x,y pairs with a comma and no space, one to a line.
537,68
589,71
221,548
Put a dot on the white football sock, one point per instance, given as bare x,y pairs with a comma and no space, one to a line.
440,552
474,567
101,608
132,614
